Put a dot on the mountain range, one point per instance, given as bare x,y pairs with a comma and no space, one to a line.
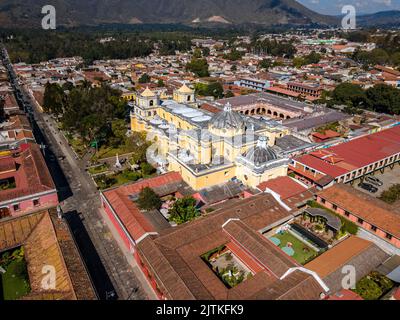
27,13
92,12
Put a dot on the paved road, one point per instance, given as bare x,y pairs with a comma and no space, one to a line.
110,271
81,208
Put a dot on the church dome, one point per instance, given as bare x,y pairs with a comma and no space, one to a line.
227,119
261,153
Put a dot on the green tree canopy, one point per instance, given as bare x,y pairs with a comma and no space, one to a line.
53,99
265,64
213,89
184,210
145,78
384,98
199,67
148,199
351,95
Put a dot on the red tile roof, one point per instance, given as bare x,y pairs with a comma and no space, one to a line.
345,295
364,206
354,154
327,135
209,107
286,187
397,294
31,175
134,221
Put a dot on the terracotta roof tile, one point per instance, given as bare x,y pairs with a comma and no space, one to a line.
364,206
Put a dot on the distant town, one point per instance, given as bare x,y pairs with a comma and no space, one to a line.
194,167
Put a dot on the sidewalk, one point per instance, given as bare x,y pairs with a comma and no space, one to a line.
151,295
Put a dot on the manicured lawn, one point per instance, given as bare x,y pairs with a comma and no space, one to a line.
300,255
15,282
108,152
114,180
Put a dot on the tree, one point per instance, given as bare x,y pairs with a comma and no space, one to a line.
145,78
265,64
229,94
298,62
199,67
160,83
147,168
197,53
119,129
376,56
53,99
348,94
234,55
206,51
392,194
395,59
148,199
184,210
384,98
313,57
213,89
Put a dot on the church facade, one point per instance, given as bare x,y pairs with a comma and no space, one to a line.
205,148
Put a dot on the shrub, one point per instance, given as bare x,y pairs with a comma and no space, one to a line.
147,169
368,289
347,225
391,195
131,175
184,210
373,286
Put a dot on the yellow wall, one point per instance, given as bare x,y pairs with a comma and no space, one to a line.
203,181
253,180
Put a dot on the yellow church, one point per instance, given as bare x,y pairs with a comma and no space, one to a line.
206,148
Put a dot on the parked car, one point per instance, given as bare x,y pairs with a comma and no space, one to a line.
373,180
368,187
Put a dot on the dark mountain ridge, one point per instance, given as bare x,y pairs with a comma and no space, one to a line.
23,13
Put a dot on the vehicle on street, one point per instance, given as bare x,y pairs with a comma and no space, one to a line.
368,187
373,180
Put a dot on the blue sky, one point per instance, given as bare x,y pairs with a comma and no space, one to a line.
362,6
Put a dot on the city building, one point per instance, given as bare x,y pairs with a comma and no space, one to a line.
350,160
266,104
208,148
254,84
26,183
49,250
364,256
174,259
15,131
380,220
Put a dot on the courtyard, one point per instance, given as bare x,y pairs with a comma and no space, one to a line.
14,280
293,247
227,266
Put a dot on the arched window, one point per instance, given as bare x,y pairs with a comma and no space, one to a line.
188,98
151,103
